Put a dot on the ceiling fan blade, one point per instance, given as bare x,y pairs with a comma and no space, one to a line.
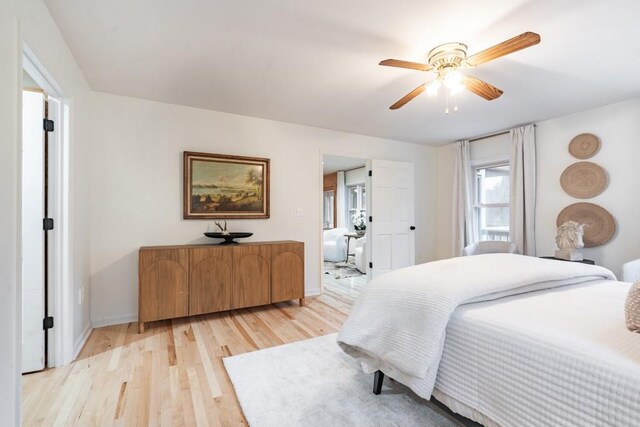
408,97
514,44
405,64
480,88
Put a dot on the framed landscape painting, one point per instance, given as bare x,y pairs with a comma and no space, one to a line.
225,187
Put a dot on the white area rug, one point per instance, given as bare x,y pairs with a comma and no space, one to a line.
313,383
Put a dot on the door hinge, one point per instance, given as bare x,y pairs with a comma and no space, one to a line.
370,265
47,224
47,323
47,125
370,219
370,173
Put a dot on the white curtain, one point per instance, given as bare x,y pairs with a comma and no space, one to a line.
463,223
341,208
522,189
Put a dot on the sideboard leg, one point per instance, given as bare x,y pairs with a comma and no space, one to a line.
141,327
302,302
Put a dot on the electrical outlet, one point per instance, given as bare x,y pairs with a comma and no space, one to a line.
298,212
80,296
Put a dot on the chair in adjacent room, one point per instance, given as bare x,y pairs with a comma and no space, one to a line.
360,252
490,247
334,245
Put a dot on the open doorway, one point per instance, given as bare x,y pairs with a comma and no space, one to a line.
344,225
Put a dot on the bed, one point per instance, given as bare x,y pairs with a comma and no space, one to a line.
540,352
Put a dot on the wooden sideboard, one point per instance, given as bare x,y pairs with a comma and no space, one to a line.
179,281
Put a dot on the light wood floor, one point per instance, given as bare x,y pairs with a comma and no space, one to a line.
171,375
348,287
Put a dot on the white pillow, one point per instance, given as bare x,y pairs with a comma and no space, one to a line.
632,308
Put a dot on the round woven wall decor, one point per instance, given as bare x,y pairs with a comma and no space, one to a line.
584,146
584,180
599,225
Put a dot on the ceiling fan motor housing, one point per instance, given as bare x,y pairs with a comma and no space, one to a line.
448,56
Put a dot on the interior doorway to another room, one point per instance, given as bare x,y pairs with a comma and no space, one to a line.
344,223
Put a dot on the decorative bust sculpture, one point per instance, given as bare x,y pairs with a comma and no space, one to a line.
569,241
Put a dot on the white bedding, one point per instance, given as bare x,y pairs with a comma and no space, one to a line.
398,323
558,357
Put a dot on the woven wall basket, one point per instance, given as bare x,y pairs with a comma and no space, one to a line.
599,224
584,180
584,146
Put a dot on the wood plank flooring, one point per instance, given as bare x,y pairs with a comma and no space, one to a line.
172,375
348,287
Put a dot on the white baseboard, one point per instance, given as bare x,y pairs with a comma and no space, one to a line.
114,320
312,292
80,342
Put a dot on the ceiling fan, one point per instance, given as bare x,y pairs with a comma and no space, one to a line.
447,59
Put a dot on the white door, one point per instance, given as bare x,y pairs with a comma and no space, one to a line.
33,270
391,229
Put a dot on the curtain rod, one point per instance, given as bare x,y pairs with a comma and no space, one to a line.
492,135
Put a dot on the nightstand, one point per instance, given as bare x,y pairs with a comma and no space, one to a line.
584,261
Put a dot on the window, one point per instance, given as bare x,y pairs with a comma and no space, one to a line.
356,203
491,204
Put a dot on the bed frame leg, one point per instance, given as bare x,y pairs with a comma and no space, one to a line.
378,378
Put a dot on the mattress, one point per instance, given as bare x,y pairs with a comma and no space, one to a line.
558,357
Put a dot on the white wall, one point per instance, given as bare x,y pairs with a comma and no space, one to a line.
137,180
490,149
9,172
618,127
29,19
355,176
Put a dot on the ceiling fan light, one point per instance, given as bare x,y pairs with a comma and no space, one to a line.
434,87
453,79
456,89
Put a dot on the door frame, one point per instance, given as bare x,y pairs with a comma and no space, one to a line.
60,347
367,165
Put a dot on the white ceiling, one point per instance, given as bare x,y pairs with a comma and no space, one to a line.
315,63
331,164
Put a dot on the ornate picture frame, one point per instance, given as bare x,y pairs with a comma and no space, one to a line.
221,186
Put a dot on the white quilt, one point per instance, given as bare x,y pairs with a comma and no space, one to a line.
398,323
557,357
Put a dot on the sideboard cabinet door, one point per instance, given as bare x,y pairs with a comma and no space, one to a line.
164,284
287,271
211,280
251,275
